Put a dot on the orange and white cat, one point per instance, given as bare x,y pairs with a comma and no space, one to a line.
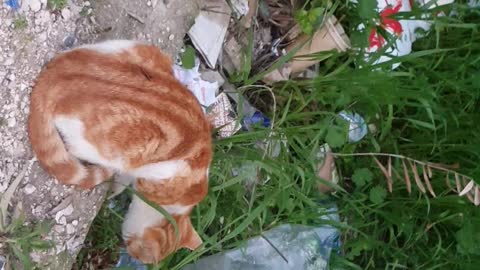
116,108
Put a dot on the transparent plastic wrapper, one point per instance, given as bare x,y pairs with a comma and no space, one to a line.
357,126
286,247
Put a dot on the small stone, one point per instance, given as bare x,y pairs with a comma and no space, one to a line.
168,29
171,37
59,228
42,18
68,210
69,41
86,3
35,5
42,37
39,209
70,229
11,122
29,189
62,220
8,22
66,13
75,222
149,3
9,61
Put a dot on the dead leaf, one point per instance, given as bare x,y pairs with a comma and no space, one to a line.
457,183
467,188
430,173
246,21
7,195
465,182
427,180
407,177
417,177
385,172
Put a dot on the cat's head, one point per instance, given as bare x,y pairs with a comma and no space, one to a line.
158,242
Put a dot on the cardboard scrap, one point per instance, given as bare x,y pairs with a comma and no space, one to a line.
209,29
331,36
223,116
240,7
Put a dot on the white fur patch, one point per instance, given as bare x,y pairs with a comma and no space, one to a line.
159,171
110,46
72,130
141,216
120,183
176,209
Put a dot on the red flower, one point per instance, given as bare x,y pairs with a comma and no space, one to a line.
387,23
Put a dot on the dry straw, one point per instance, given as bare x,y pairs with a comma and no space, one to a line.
422,174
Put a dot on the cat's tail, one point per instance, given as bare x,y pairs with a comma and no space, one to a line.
52,153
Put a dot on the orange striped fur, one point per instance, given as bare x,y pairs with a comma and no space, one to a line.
116,108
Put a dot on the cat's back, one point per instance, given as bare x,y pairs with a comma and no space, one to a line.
125,97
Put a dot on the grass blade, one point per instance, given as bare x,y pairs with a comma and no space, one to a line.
389,170
447,181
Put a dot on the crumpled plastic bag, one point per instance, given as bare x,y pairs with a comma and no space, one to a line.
203,90
291,247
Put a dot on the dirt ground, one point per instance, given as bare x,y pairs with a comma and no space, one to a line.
29,38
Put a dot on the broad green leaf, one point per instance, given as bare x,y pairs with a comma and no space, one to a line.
336,136
188,58
377,194
24,258
468,238
367,9
362,176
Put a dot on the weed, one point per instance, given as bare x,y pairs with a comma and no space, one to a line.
102,243
56,4
20,23
19,240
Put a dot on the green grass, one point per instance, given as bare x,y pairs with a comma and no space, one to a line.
20,23
56,4
427,109
19,240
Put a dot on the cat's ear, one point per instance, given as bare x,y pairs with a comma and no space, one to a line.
193,241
